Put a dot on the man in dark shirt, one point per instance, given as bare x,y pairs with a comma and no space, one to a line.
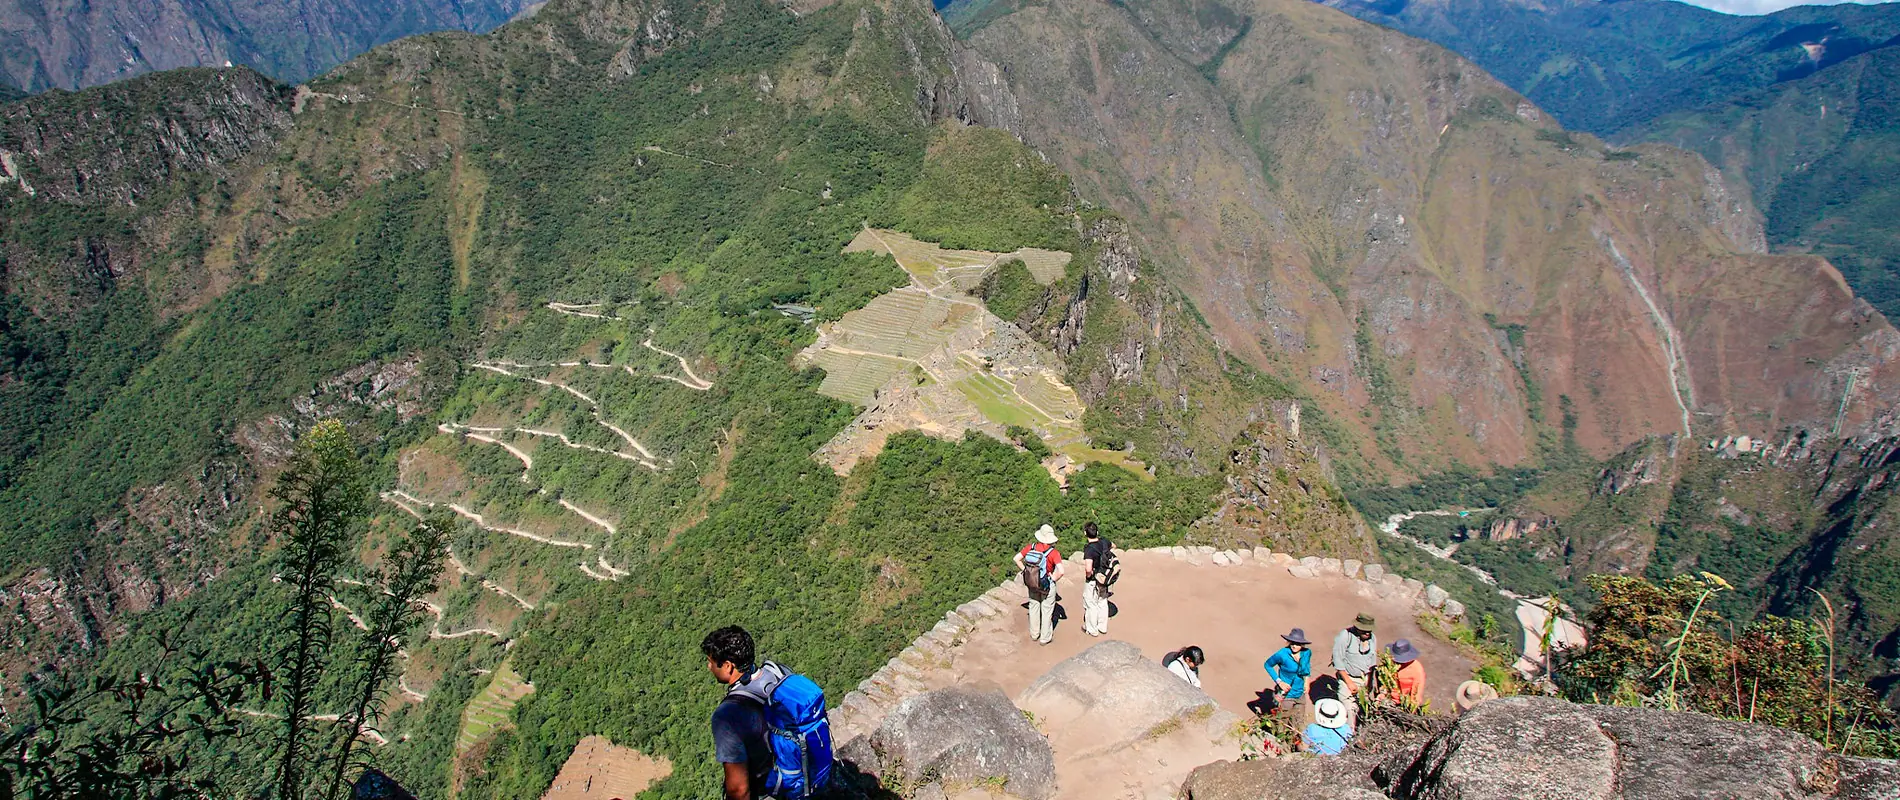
738,724
1094,586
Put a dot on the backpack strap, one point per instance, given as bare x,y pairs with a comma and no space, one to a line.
759,686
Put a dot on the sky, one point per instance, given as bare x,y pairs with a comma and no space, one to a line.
1761,6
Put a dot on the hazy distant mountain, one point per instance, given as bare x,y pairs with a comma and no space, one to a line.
1605,66
68,44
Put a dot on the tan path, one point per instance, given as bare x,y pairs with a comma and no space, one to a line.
1235,613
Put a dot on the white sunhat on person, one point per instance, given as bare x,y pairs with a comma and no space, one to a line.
1046,535
1330,713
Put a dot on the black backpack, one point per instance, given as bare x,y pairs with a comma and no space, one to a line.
1108,569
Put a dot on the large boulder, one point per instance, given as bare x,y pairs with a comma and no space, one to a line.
1110,696
958,736
1529,747
1295,778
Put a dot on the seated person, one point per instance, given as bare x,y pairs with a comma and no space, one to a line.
1186,663
1330,730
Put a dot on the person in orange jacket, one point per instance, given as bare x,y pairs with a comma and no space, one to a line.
1411,677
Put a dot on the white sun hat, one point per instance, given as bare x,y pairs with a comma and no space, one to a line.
1330,713
1046,535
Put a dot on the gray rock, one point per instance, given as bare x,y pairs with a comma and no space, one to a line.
1262,554
1179,553
1343,777
1435,596
1350,567
1413,586
1221,559
1454,609
1329,566
1374,573
1302,571
1547,748
1110,697
967,734
1241,556
1310,562
1206,549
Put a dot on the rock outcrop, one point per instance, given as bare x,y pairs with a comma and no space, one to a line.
958,737
1530,747
1111,697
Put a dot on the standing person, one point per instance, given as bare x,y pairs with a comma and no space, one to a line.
770,731
1289,666
1355,653
1040,564
738,724
1330,731
1097,557
1186,663
1410,686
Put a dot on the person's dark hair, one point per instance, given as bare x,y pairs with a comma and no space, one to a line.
1193,654
730,644
1091,531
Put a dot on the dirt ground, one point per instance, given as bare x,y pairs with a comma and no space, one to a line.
1236,614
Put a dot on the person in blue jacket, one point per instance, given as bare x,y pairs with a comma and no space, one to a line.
1289,666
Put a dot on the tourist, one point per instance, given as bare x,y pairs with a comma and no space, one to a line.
1330,731
1040,564
1289,666
1355,653
1471,693
1186,663
1410,688
738,724
1097,556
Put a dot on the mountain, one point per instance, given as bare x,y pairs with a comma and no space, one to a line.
69,45
1812,153
1605,67
805,316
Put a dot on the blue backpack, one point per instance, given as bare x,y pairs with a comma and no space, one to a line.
795,726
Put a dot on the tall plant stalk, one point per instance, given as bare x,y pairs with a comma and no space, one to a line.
1711,583
322,496
1828,630
410,572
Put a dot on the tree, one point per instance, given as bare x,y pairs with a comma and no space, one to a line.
323,499
410,572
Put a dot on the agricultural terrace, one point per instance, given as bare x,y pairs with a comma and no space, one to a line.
491,706
931,357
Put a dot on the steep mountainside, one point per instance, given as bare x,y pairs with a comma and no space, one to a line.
554,279
1449,272
68,44
1815,154
1604,67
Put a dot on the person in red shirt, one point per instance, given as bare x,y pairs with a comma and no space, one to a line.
1040,565
1411,677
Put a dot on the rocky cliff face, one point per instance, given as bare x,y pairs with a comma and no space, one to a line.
70,45
1538,747
1399,233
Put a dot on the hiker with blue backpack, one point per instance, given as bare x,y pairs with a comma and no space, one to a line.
770,730
1040,565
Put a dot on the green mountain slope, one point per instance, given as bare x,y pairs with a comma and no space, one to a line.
1817,155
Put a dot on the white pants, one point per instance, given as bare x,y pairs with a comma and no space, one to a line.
1094,609
1042,617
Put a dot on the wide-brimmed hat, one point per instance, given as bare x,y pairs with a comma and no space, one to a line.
1046,535
1471,693
1296,636
1363,622
1330,713
1403,652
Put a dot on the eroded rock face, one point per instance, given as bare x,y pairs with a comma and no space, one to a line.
1544,748
958,736
1111,696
